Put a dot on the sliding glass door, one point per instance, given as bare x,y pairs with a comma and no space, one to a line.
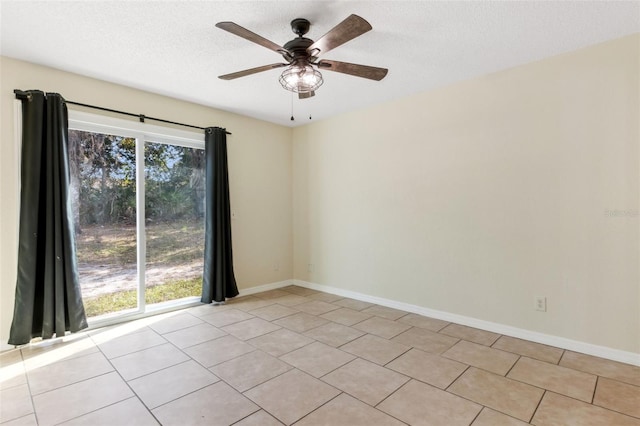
138,205
174,221
103,191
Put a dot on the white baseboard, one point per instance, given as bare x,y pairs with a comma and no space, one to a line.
264,287
534,336
5,346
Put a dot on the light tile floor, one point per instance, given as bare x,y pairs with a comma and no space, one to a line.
298,356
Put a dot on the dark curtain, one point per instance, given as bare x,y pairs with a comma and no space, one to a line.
218,280
48,298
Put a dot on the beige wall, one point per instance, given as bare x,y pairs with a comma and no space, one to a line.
471,199
259,163
476,198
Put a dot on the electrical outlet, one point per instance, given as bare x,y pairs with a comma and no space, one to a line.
310,267
276,266
540,304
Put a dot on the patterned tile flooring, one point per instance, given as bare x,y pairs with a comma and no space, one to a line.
298,356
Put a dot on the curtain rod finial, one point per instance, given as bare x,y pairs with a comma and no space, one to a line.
21,94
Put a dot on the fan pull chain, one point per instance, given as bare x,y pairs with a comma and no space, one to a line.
292,119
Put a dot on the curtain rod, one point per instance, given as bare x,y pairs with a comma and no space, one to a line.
20,94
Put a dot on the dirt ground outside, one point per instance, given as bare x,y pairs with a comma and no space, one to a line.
96,281
107,256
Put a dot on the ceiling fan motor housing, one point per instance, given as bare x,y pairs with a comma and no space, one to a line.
298,48
300,26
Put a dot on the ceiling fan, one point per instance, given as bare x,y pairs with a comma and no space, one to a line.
301,54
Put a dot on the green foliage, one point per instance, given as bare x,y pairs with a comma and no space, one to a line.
103,180
174,290
168,243
114,302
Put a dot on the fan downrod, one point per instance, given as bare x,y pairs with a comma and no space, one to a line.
300,26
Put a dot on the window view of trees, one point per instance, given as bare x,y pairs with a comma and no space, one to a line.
174,210
103,191
103,175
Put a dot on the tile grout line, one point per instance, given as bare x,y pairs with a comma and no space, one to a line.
477,415
134,396
249,415
205,341
317,408
231,359
288,352
447,389
274,319
20,418
512,366
182,396
475,402
26,376
135,352
390,361
355,323
535,410
12,387
509,378
389,396
564,351
592,405
542,388
186,312
81,381
598,374
126,383
258,384
173,365
125,335
314,340
185,361
529,355
455,380
470,400
357,399
32,396
157,371
409,378
255,349
608,409
604,377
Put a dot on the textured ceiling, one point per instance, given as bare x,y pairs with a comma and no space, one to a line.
173,47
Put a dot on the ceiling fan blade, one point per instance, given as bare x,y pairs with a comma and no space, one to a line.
346,30
306,95
364,71
250,71
236,29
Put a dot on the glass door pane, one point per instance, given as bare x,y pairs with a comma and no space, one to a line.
103,192
174,221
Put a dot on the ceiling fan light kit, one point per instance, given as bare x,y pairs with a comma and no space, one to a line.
301,78
301,75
